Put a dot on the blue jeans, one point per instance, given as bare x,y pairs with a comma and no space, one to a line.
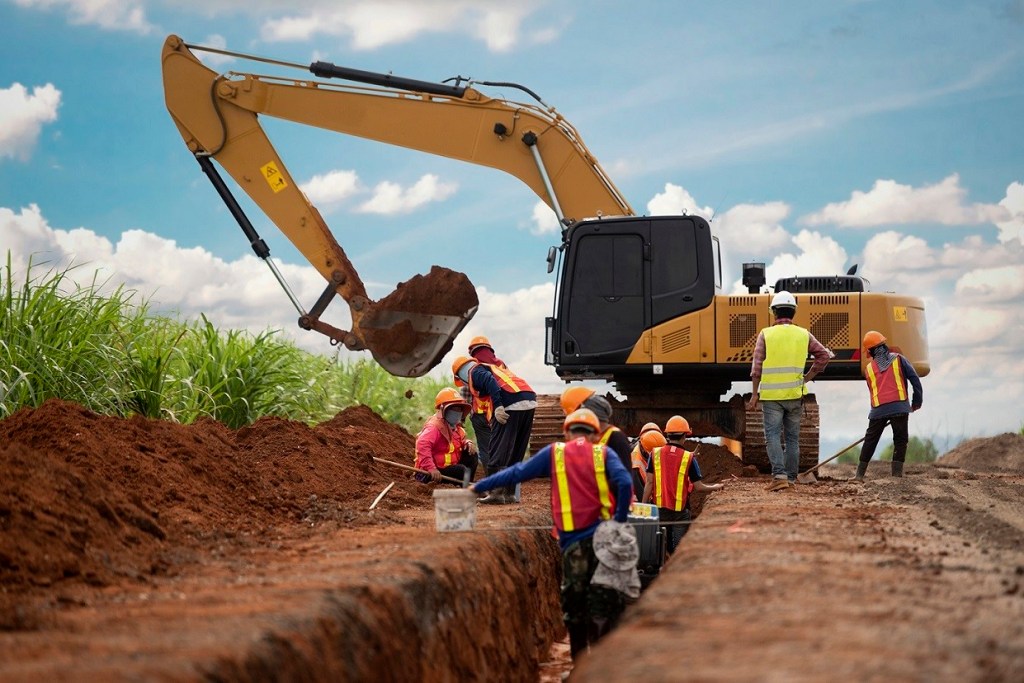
779,415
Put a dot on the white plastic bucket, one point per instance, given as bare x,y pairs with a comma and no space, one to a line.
454,509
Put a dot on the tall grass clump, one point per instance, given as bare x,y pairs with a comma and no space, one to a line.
60,339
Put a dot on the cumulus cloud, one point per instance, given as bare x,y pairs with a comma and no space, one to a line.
815,254
891,203
213,59
370,25
390,199
114,15
674,200
543,221
1013,227
331,189
992,285
22,116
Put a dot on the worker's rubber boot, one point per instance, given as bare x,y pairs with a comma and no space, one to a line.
577,639
897,468
494,497
862,468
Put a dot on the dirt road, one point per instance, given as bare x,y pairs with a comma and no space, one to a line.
913,579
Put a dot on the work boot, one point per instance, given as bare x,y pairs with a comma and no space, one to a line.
862,468
897,468
779,485
494,497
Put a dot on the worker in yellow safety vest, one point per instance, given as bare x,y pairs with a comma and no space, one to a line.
779,384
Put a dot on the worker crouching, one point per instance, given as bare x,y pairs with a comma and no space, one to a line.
442,446
590,488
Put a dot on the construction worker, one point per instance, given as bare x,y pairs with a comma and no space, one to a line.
887,375
576,397
588,485
650,438
514,404
480,350
442,447
673,472
779,383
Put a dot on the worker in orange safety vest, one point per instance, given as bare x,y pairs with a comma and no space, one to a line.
579,396
650,438
482,415
672,474
887,375
442,447
589,486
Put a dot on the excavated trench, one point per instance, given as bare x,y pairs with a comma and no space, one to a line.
143,549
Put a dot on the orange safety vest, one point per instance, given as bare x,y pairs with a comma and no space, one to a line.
671,477
886,387
639,463
506,379
580,495
442,455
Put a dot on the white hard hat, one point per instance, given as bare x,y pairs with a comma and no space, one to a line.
783,298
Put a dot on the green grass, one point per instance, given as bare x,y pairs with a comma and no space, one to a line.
104,350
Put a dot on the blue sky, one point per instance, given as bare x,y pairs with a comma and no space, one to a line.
818,135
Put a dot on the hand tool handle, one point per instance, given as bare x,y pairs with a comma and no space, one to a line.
836,455
416,469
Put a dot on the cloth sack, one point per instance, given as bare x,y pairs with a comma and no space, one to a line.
617,553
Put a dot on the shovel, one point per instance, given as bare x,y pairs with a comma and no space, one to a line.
453,480
808,476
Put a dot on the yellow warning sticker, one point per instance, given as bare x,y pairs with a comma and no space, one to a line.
274,177
899,314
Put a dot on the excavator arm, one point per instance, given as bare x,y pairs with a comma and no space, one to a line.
410,330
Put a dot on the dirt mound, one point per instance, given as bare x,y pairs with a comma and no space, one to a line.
1003,453
90,497
717,463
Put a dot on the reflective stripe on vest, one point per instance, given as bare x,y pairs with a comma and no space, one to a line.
508,380
580,496
888,386
782,373
671,487
607,435
637,460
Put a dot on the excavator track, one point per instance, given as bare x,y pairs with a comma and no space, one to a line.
547,427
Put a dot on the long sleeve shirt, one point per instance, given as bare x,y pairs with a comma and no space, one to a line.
814,348
485,384
435,440
540,466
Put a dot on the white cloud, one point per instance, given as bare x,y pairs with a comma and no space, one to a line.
817,255
890,203
116,15
331,189
389,198
370,25
213,59
753,231
1013,227
544,221
992,285
22,116
675,200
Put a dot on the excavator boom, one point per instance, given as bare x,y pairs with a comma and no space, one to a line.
409,331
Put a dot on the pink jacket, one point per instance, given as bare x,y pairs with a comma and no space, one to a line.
438,445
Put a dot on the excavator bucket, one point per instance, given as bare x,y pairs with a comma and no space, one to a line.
410,331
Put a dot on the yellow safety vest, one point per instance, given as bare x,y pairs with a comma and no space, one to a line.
782,373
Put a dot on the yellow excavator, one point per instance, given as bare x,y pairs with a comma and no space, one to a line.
638,300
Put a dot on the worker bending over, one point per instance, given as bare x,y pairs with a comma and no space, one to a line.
887,375
588,485
672,474
482,415
442,447
514,404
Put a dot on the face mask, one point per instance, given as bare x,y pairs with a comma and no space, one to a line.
463,373
452,416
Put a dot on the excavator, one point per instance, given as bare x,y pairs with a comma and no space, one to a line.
638,301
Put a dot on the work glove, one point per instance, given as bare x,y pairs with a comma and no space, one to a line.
501,415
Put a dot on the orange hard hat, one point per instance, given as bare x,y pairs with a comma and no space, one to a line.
650,427
478,341
651,440
459,362
677,425
582,418
573,398
873,339
448,397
